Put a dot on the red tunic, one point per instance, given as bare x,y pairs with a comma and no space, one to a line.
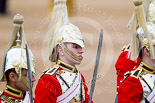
124,64
130,91
48,89
134,88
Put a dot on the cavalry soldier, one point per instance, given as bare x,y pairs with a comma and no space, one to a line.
14,68
124,64
139,85
63,83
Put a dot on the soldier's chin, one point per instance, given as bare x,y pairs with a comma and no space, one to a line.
78,62
25,88
22,87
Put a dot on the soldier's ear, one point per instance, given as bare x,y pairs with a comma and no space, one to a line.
146,52
60,50
13,77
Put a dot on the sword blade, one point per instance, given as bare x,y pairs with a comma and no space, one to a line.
96,67
29,74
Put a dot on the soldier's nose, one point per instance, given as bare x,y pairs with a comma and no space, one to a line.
81,51
33,79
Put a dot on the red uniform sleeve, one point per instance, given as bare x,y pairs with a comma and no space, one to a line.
47,89
0,99
124,64
86,91
130,91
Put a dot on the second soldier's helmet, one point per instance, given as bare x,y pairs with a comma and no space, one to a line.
15,56
142,25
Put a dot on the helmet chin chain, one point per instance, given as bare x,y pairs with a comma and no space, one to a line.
70,53
24,81
21,77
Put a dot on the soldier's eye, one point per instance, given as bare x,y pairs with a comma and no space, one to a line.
75,46
26,75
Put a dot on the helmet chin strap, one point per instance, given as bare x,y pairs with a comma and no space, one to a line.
25,81
70,53
22,78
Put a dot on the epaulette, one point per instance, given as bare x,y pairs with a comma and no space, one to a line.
6,99
136,73
50,71
1,92
126,48
126,75
45,71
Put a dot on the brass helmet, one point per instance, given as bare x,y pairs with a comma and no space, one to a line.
15,56
61,30
142,26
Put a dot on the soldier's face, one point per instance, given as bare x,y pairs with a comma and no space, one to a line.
151,61
20,82
154,50
77,50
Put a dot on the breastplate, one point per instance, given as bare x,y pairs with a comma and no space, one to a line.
148,83
66,80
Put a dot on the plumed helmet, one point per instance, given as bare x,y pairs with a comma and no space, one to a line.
15,56
142,26
61,30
